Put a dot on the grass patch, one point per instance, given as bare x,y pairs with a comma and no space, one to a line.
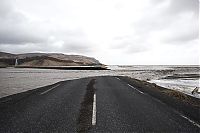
176,94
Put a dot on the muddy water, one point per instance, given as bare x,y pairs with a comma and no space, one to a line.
15,80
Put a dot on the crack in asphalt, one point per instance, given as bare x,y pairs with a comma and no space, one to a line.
86,111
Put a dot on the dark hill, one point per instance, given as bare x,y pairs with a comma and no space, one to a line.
46,59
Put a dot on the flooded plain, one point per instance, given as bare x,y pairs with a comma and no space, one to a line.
15,80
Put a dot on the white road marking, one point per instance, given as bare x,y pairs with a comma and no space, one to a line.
94,111
135,89
117,78
49,89
194,123
132,87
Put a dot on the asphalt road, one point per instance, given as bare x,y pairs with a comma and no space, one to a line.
98,104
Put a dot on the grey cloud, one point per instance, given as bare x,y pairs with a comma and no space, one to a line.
177,6
5,8
130,44
14,26
156,25
138,45
157,1
155,20
132,49
77,48
66,47
182,38
180,29
77,44
151,23
16,30
70,41
120,41
22,48
18,36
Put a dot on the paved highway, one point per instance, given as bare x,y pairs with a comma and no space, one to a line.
97,104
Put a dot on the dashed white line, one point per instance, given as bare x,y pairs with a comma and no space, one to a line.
94,111
49,89
135,89
132,87
194,123
117,78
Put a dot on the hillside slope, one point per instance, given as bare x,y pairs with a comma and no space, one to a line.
46,59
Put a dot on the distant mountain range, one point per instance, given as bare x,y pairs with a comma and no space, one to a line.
46,59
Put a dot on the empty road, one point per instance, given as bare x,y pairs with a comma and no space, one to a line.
96,104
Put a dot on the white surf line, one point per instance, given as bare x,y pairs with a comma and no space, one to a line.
135,89
94,111
194,123
49,89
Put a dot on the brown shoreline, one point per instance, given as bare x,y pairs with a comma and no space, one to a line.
67,67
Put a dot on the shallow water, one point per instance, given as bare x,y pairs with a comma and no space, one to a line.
15,80
184,85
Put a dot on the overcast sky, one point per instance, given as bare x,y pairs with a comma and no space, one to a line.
113,31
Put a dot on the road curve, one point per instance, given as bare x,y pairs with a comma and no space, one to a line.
96,104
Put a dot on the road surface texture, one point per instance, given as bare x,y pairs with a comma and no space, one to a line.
96,104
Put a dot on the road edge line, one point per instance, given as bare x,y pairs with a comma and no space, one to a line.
117,78
191,121
135,89
49,89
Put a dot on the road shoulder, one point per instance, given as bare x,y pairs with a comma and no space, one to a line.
186,105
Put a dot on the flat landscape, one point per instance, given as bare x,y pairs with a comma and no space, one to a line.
15,80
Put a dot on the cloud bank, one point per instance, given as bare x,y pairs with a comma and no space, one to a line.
115,32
